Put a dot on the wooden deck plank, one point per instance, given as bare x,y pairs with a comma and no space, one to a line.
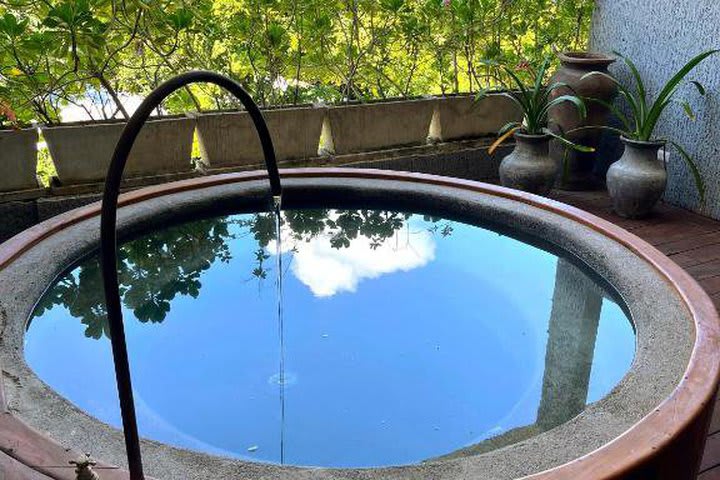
712,287
689,243
715,422
665,233
698,255
713,474
711,457
705,270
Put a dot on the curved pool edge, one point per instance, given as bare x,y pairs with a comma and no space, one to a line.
677,425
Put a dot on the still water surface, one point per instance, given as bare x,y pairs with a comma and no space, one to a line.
405,337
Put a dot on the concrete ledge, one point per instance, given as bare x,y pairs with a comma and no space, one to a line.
464,159
378,125
16,217
230,139
81,152
462,117
127,183
467,159
18,159
19,195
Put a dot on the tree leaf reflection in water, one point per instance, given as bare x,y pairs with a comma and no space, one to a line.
155,268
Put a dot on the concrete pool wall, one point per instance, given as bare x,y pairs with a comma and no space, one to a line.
652,424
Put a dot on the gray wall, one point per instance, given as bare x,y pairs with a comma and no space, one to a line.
660,36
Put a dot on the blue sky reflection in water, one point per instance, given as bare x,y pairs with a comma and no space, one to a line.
406,337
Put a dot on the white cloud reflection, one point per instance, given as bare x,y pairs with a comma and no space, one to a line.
328,271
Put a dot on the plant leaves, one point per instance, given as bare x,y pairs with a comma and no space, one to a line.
480,96
579,104
565,141
554,86
639,85
688,110
650,121
699,87
500,140
699,183
625,93
507,127
615,111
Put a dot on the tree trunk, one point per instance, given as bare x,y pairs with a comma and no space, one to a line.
113,94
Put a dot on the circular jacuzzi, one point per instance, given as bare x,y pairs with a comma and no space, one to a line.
379,325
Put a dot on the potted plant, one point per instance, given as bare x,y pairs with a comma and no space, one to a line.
529,167
637,180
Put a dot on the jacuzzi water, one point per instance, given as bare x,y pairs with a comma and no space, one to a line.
404,338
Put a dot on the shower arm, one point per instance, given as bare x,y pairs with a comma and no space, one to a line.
108,233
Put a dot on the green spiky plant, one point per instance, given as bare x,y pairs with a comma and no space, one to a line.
535,102
644,113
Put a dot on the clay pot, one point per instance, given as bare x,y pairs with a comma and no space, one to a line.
576,172
637,180
529,167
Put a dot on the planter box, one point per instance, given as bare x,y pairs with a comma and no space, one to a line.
230,139
376,126
18,159
461,117
82,152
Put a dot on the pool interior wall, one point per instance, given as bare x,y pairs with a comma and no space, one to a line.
649,299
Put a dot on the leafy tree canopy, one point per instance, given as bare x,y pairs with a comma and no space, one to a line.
55,53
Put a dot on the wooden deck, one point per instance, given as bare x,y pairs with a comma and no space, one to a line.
693,242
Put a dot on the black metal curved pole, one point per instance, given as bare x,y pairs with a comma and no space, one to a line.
108,234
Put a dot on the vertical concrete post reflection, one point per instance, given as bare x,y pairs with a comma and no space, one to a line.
570,346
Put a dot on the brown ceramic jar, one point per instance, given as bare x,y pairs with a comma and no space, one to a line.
576,168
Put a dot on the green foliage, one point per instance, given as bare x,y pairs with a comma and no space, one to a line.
645,113
535,102
45,167
54,53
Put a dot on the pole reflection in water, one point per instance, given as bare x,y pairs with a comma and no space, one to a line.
572,331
